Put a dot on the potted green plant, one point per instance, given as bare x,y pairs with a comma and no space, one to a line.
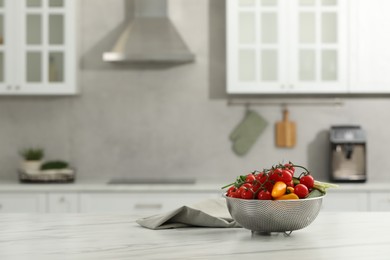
32,159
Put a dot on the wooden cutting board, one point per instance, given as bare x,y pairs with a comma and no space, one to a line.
285,131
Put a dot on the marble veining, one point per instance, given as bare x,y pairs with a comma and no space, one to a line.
116,236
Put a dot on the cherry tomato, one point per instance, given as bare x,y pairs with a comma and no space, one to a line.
307,180
275,175
269,186
259,175
231,189
301,190
285,176
290,184
264,195
250,178
263,178
243,187
234,194
290,167
247,185
256,186
246,194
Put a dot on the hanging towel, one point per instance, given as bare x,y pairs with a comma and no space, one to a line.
246,133
207,213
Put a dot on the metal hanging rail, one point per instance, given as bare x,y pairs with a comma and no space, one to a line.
287,102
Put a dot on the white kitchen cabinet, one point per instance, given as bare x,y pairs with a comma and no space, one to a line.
287,46
380,201
345,201
62,202
140,203
370,55
37,47
22,202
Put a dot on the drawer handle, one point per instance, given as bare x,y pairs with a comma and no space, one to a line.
148,206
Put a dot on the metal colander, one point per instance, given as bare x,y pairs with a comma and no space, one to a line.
274,215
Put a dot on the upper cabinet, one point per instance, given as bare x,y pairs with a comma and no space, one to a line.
369,56
306,46
37,47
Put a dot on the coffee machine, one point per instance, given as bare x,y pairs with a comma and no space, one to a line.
347,154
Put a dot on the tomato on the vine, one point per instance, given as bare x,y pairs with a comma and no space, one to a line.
247,194
250,178
307,180
264,195
285,176
275,174
301,190
231,189
290,167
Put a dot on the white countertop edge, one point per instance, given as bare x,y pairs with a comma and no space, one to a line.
199,186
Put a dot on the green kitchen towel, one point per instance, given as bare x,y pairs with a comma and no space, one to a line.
207,213
247,132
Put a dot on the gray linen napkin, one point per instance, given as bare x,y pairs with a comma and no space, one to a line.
207,213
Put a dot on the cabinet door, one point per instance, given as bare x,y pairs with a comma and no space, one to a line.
7,47
63,203
256,46
369,52
37,47
345,201
22,203
318,46
297,46
46,47
138,203
380,201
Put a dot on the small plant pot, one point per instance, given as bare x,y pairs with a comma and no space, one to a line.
31,166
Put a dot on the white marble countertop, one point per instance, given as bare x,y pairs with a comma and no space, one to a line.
201,185
80,236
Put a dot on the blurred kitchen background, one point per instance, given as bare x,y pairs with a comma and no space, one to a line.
173,120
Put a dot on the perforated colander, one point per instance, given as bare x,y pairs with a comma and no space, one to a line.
274,215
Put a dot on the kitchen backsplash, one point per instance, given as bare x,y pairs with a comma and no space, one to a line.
171,120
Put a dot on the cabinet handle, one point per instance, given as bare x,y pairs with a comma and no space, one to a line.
17,87
1,206
9,87
148,206
62,200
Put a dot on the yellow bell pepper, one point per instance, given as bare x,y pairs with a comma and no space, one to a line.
290,190
290,196
279,189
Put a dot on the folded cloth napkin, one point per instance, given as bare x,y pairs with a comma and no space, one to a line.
207,213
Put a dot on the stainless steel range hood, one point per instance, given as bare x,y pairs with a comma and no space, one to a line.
149,36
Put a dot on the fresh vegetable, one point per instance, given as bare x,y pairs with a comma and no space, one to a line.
307,180
277,183
264,195
290,196
279,189
301,190
314,194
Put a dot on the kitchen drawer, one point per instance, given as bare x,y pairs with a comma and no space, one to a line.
62,202
142,203
22,202
380,201
345,201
